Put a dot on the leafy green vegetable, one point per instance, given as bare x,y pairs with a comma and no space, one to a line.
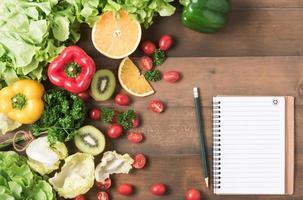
34,32
153,75
107,115
18,182
159,57
142,10
126,118
63,115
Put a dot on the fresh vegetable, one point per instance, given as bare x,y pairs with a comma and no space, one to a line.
193,194
80,197
114,131
205,16
159,57
171,76
34,32
165,42
107,115
104,185
135,137
6,124
109,165
19,182
139,161
125,119
136,121
76,176
122,99
156,106
158,189
44,158
144,10
95,114
125,189
148,47
102,196
146,63
84,95
90,140
72,70
63,115
153,75
22,101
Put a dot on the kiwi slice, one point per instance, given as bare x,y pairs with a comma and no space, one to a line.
103,85
90,140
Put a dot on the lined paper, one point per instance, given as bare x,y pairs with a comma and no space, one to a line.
252,145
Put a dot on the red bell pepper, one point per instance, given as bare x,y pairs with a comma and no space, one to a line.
72,70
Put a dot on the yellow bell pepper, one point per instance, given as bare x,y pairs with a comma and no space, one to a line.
22,101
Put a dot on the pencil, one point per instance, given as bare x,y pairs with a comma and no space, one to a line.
201,132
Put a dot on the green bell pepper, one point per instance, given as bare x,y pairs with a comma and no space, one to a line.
206,16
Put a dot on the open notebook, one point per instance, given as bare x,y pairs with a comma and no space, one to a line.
253,148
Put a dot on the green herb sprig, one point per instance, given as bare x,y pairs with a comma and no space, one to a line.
126,118
107,115
153,75
159,57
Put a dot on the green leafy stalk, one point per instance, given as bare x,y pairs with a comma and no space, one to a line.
153,75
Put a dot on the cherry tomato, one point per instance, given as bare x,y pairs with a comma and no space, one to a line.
156,106
135,137
193,194
148,47
125,189
84,95
114,131
136,121
139,161
165,42
158,189
171,76
102,196
105,185
95,114
122,99
80,197
146,63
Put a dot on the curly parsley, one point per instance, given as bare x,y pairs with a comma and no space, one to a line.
153,75
159,57
107,115
126,118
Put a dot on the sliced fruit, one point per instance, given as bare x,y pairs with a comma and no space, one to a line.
116,36
90,140
103,85
132,80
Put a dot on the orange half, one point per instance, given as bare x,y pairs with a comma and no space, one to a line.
116,36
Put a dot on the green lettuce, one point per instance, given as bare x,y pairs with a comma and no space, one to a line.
18,182
34,32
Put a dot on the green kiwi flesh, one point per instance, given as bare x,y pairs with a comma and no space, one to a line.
103,85
90,140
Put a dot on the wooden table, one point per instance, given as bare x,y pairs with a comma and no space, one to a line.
258,53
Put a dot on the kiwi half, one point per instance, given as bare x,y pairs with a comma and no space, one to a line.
103,85
90,140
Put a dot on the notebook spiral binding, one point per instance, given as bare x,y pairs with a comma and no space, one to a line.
217,144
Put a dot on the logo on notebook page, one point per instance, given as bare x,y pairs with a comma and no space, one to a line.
275,102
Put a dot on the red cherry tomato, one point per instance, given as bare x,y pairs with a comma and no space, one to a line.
84,95
156,106
165,42
102,196
80,197
105,185
135,137
136,121
193,194
158,189
146,63
125,189
171,76
122,99
95,114
148,47
139,161
114,131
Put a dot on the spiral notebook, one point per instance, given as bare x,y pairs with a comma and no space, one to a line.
253,145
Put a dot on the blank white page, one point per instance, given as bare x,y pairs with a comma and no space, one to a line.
249,145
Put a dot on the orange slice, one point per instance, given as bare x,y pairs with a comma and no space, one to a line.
132,80
116,36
